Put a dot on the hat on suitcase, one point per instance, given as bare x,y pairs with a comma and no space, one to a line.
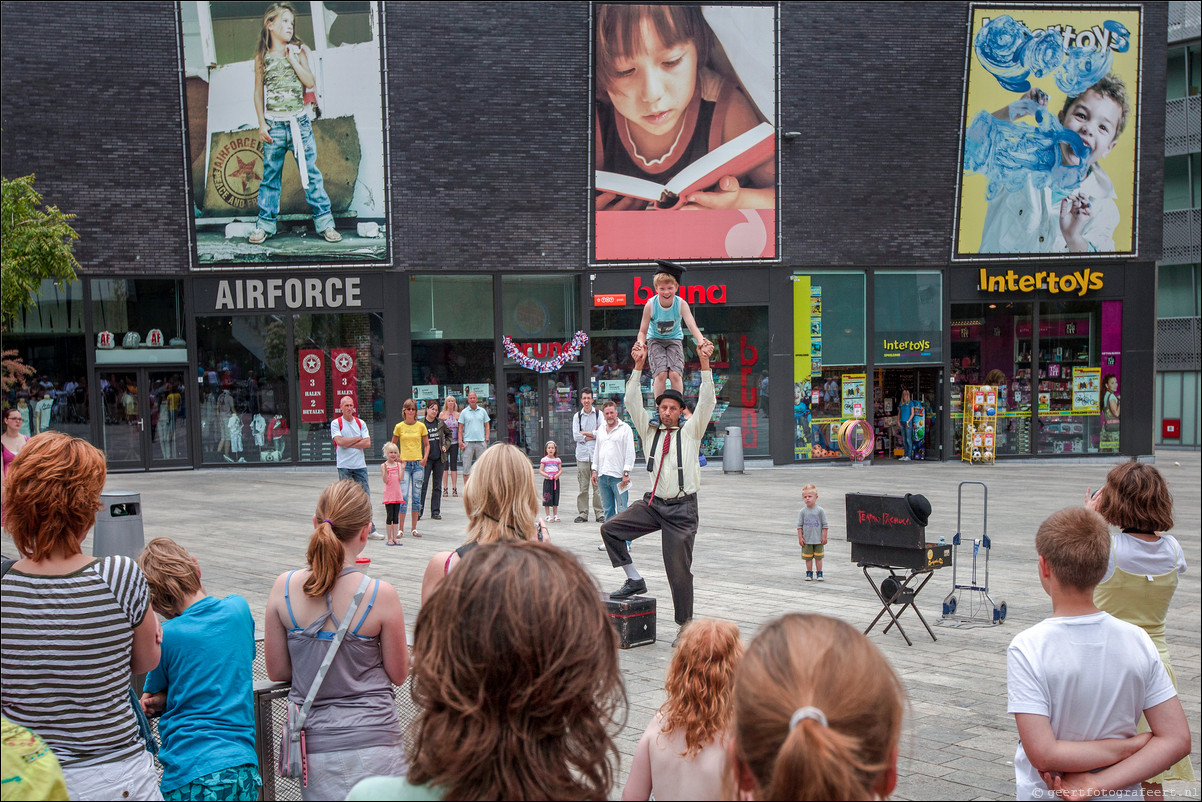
920,508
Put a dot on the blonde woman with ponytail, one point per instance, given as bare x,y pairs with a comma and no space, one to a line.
818,714
353,730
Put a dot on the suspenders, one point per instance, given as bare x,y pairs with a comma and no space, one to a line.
654,452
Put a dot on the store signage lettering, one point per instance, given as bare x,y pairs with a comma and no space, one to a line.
312,378
294,293
695,294
906,345
543,350
749,355
1077,282
610,299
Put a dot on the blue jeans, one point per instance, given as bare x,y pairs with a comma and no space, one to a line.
613,500
908,437
273,168
411,486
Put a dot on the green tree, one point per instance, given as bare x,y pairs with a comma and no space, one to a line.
36,243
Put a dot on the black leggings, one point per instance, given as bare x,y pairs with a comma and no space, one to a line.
452,461
394,513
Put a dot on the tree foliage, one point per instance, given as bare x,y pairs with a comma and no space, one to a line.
37,243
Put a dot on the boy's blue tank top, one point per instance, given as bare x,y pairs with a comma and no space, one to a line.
665,323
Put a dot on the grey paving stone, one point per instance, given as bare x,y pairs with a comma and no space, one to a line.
248,526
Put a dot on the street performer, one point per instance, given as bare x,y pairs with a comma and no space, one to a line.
671,450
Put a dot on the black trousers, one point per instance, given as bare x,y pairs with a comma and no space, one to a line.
433,475
676,519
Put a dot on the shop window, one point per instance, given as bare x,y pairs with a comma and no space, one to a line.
48,338
1177,183
908,318
451,325
245,411
351,346
138,321
739,364
540,308
829,375
1079,390
986,349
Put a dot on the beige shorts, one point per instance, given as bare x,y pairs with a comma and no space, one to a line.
665,356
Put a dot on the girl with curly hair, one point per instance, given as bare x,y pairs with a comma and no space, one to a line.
682,754
515,670
1141,576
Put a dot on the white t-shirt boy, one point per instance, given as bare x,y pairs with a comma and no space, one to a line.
1091,675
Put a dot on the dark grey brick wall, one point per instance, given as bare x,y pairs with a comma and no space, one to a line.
489,117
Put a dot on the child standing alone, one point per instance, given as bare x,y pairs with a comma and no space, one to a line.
202,687
812,531
282,79
661,331
394,498
549,467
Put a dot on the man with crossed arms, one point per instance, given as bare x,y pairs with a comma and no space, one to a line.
671,450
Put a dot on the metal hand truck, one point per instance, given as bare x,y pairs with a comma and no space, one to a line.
981,606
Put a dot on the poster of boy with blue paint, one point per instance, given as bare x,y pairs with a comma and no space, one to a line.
1050,132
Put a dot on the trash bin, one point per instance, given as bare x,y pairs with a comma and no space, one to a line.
732,450
119,526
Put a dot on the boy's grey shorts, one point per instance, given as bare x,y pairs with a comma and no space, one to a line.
665,356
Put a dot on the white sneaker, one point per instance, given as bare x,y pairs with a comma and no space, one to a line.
904,459
374,536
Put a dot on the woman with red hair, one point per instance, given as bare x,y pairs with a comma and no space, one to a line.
74,629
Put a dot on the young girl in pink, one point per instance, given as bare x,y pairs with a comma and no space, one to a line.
549,467
394,500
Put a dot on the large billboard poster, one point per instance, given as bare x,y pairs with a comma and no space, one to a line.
1050,132
285,116
684,132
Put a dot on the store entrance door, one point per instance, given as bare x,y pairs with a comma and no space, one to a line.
925,386
144,424
538,407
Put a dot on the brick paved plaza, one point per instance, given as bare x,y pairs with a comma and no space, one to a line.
246,526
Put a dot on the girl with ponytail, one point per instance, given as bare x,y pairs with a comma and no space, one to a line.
353,730
818,714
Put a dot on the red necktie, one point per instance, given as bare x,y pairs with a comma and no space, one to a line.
663,455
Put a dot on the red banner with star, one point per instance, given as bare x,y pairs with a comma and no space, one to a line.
312,374
342,369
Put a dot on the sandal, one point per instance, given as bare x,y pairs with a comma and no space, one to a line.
416,533
455,492
257,237
331,235
446,493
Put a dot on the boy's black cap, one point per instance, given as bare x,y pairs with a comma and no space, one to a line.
672,394
920,508
671,268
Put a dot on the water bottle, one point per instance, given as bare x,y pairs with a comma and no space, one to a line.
942,540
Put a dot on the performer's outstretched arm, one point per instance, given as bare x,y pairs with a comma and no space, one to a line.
634,393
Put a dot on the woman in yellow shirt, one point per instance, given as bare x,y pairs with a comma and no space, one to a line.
414,442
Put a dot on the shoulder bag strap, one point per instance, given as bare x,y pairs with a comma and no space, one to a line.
325,664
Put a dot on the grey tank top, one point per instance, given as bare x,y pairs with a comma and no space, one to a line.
355,707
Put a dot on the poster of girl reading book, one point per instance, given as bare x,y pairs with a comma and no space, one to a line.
684,132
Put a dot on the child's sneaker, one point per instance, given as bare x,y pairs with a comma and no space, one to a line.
654,421
809,576
819,576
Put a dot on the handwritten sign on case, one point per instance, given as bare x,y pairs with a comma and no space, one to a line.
882,521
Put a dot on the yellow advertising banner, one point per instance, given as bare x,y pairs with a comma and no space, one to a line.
1050,131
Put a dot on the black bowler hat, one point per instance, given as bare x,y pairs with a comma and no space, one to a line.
671,268
670,394
920,508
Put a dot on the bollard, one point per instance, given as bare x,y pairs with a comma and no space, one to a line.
732,450
119,526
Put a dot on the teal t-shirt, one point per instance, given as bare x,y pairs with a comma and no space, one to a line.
472,421
206,669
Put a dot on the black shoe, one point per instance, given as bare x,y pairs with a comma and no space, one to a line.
633,587
436,516
581,519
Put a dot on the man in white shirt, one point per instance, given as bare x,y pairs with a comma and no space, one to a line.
613,460
351,440
671,449
585,424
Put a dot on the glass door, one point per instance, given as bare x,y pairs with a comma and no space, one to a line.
145,417
539,407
